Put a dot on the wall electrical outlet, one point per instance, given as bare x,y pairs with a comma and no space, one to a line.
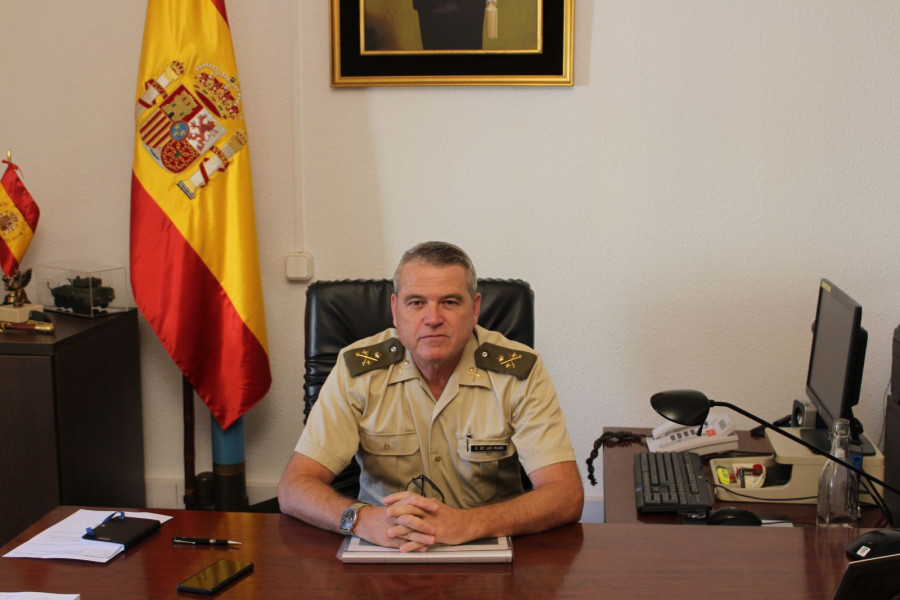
298,266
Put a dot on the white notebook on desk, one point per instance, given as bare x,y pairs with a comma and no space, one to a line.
488,550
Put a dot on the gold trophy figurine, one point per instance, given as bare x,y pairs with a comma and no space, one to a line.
15,288
17,299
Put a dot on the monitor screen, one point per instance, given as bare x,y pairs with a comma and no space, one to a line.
837,357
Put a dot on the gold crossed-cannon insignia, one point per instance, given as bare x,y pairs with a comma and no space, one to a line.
366,359
509,363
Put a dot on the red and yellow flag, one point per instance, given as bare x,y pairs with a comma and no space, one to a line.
19,215
194,258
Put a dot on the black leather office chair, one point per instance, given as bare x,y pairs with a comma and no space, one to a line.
339,313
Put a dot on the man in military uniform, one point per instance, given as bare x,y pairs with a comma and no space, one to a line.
439,413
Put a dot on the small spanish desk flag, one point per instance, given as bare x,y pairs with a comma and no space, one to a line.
18,218
194,258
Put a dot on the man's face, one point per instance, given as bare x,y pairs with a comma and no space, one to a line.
434,314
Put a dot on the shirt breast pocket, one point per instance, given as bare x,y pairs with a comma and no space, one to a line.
390,457
490,466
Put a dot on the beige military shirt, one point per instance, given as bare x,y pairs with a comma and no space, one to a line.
466,442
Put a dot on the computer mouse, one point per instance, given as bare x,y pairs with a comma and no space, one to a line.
732,515
873,544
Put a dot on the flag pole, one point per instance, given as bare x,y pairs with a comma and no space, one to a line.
187,398
229,476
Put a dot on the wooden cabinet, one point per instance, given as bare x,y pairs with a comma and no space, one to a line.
71,430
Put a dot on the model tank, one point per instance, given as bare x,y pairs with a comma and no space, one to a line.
83,295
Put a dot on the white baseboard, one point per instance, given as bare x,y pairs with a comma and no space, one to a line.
169,493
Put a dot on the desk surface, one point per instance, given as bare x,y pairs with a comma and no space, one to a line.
295,560
618,488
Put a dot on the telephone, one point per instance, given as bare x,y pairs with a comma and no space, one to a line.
718,436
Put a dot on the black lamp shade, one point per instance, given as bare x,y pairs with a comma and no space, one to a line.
685,407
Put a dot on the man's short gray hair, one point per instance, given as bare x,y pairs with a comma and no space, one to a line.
440,254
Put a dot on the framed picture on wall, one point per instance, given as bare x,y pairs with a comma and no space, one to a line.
452,42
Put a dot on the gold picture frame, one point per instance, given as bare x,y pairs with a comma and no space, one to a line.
380,43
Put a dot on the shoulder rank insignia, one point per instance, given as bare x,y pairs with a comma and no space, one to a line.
505,360
369,358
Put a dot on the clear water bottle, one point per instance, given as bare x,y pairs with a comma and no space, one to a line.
838,485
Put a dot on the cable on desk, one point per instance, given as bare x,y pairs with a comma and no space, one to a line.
610,438
879,501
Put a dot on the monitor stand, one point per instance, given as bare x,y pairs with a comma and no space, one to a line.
820,437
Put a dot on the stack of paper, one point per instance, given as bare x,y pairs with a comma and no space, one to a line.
356,550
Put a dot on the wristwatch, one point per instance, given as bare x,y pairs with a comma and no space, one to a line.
349,518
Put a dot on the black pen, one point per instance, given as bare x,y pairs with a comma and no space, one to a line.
204,541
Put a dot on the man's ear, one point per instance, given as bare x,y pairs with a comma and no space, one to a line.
394,309
476,302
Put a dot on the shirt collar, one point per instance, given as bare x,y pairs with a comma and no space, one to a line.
466,372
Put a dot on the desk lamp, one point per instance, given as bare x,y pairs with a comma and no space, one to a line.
690,407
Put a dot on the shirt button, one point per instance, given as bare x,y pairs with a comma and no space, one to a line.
387,446
437,459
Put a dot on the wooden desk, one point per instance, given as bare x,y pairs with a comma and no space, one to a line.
295,560
618,488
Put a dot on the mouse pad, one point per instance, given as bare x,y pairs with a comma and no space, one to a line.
871,578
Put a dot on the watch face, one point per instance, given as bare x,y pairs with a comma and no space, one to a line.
348,518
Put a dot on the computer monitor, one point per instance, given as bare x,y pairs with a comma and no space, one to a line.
835,363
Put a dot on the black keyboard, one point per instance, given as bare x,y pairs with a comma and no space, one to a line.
670,482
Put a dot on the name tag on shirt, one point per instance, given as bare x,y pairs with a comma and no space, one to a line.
488,447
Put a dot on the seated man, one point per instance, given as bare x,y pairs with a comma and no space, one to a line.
439,412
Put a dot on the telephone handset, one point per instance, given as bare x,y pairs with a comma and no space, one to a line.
718,436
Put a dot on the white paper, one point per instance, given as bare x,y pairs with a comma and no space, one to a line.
63,540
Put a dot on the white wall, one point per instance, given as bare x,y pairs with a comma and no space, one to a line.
674,210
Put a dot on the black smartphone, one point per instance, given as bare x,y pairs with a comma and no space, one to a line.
216,576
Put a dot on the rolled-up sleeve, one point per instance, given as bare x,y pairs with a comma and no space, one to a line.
331,435
540,436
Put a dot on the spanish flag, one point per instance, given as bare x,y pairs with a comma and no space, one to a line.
194,259
18,219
